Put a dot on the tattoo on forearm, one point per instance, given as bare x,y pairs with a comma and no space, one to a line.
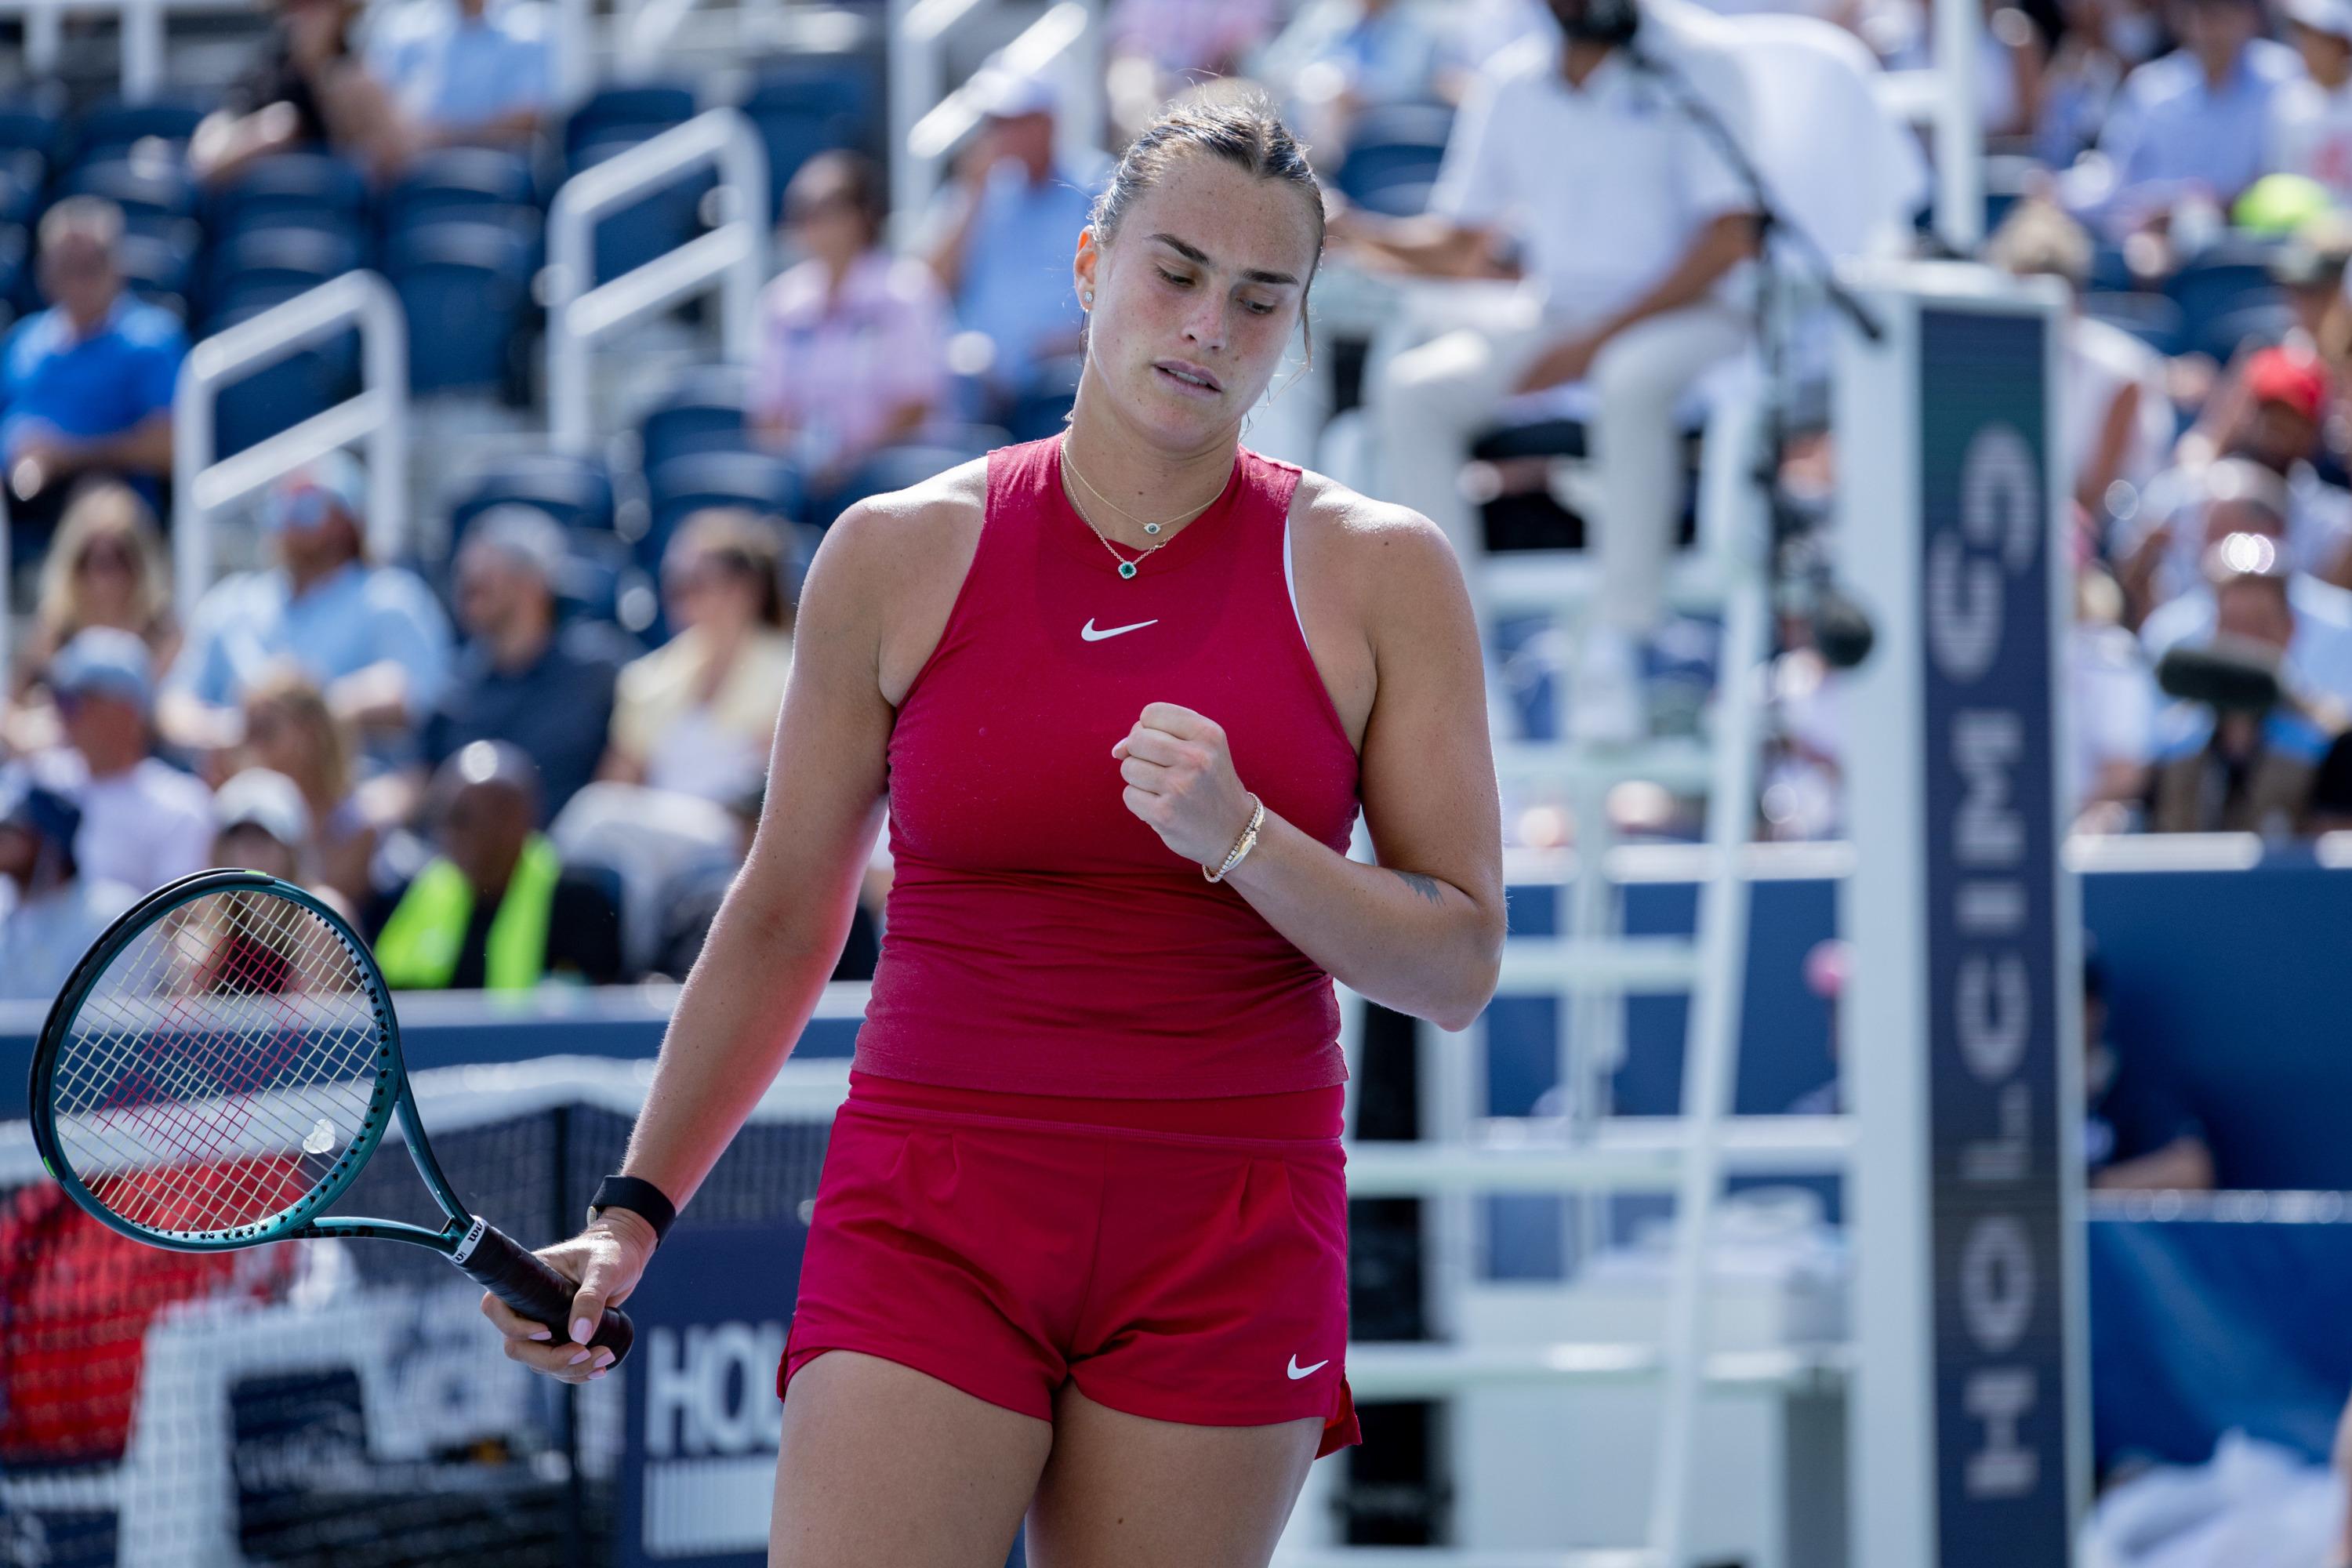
1425,886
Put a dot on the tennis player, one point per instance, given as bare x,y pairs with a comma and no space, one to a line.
1079,1245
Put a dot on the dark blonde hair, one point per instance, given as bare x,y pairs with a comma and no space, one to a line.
743,544
298,697
1240,127
104,510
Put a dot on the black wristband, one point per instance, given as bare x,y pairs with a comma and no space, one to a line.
640,1197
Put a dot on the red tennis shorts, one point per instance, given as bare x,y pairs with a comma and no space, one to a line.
1179,1275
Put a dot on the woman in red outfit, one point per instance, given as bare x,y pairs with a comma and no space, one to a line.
1079,1245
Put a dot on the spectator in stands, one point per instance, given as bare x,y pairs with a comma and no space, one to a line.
144,823
289,729
497,909
853,346
2232,760
2138,1130
309,90
523,678
2309,270
85,385
1634,223
2110,712
2116,414
2311,118
58,911
263,824
1339,58
372,636
467,72
1002,234
2196,123
698,714
106,568
1160,48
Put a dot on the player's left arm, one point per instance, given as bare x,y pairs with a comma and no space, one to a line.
1421,932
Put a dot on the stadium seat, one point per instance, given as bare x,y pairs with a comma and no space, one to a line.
465,286
28,126
273,265
1401,144
575,492
895,468
767,484
310,190
114,126
2151,318
2227,278
458,178
802,110
623,114
706,409
660,222
162,267
152,192
20,188
2253,325
15,271
280,395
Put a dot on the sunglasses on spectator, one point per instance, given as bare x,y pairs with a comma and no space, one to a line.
112,557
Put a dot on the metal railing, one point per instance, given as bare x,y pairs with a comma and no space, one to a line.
1063,44
734,257
202,487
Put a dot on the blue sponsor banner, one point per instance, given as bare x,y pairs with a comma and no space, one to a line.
1992,895
698,1461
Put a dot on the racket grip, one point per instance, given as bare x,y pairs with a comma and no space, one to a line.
524,1282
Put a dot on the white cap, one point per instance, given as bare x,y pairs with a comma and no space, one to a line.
2333,17
269,801
1004,94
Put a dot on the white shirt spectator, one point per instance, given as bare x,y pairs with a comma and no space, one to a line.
2102,359
2318,524
2311,134
2112,712
146,825
45,936
1606,184
2319,660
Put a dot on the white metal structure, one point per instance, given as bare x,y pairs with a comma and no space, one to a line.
927,119
732,257
203,488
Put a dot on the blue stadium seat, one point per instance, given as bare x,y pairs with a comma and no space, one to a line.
28,125
20,188
152,193
15,272
465,286
311,190
457,178
706,409
896,467
272,265
575,492
2251,326
2227,278
1397,144
280,397
685,485
160,267
801,110
2151,318
623,114
664,220
113,126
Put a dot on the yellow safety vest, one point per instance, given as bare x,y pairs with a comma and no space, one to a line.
418,949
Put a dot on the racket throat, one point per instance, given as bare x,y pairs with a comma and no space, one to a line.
470,1240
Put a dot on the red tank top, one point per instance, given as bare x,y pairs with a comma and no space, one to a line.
1039,938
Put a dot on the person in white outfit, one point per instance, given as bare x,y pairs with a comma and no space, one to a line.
1634,223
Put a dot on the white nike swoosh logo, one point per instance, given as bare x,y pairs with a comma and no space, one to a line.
1298,1371
1088,632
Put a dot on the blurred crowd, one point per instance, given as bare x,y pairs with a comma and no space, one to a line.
503,783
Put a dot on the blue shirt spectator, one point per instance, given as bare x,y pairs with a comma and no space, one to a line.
2199,117
1339,58
467,70
1008,231
372,636
85,385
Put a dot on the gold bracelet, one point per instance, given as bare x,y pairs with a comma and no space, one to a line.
1242,846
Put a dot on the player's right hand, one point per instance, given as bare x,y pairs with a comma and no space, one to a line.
604,1261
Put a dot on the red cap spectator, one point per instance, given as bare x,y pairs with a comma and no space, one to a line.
2275,375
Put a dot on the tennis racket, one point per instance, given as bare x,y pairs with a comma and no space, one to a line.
220,1066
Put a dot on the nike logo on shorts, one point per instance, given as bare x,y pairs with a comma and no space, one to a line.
1298,1371
1088,632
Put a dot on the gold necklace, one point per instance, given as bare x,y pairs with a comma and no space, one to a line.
1127,568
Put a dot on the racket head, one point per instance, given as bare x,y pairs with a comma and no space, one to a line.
218,1067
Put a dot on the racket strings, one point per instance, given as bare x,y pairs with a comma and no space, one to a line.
220,1067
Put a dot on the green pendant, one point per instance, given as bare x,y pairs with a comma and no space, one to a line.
1126,568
